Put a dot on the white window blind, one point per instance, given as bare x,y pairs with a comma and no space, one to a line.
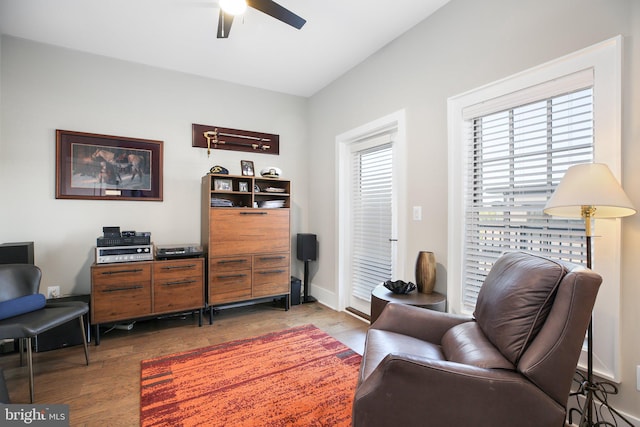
371,218
516,158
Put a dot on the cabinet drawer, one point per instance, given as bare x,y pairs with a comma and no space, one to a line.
229,286
271,260
119,274
118,301
226,264
179,293
175,269
241,231
272,281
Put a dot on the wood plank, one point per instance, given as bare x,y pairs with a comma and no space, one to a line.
107,392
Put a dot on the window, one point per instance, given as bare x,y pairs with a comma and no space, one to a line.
516,158
496,205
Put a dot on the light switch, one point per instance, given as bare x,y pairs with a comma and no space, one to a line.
417,213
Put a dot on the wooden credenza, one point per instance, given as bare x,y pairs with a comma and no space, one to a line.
134,290
248,248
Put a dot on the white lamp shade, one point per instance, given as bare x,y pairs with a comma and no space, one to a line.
233,7
592,185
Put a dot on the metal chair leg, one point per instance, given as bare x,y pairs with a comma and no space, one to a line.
30,362
84,339
21,349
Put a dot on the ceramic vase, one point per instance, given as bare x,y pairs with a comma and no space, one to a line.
425,272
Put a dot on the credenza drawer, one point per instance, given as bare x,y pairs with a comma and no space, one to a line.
229,286
178,293
117,301
175,269
272,281
271,260
122,273
225,264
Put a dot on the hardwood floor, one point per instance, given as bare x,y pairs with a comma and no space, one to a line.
107,392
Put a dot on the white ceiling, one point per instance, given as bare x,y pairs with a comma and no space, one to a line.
181,35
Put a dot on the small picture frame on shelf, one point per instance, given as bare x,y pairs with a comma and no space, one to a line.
221,184
247,167
243,186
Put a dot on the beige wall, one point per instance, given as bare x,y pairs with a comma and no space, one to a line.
45,88
465,45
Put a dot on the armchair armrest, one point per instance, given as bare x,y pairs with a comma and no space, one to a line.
416,322
409,390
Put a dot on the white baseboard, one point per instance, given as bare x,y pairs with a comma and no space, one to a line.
328,298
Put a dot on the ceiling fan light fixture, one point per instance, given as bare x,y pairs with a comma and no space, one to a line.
233,7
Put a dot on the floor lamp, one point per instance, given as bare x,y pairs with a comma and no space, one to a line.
590,191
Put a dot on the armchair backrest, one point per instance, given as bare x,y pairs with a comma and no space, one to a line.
535,311
18,280
515,299
551,358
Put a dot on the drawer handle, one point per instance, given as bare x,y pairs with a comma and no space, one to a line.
128,288
272,272
134,270
231,276
272,258
179,282
174,267
231,261
253,213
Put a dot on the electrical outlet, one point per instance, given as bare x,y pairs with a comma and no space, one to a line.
53,292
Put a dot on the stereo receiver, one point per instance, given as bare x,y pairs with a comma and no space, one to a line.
109,254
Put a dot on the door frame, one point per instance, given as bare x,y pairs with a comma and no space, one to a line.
394,122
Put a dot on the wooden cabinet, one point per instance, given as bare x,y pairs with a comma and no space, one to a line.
247,238
143,289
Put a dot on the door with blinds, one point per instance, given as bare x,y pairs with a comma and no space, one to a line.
372,223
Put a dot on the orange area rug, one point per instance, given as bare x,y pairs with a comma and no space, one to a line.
296,377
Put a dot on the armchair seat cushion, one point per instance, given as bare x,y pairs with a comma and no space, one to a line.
380,343
21,305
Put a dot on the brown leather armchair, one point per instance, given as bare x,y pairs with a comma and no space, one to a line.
511,364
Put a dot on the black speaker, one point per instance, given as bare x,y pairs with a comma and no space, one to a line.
306,250
16,253
65,335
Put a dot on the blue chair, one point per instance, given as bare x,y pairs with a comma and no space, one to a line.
24,314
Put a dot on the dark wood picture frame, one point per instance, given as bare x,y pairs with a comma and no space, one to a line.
246,166
105,167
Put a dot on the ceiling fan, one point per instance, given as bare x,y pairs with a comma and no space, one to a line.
231,8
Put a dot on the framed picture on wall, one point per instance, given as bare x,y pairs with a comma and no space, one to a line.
104,167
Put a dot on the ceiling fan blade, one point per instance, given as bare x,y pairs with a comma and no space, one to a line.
273,9
224,24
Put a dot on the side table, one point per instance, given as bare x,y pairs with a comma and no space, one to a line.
380,296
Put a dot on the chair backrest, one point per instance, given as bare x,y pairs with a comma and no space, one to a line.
551,358
18,280
515,299
535,311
